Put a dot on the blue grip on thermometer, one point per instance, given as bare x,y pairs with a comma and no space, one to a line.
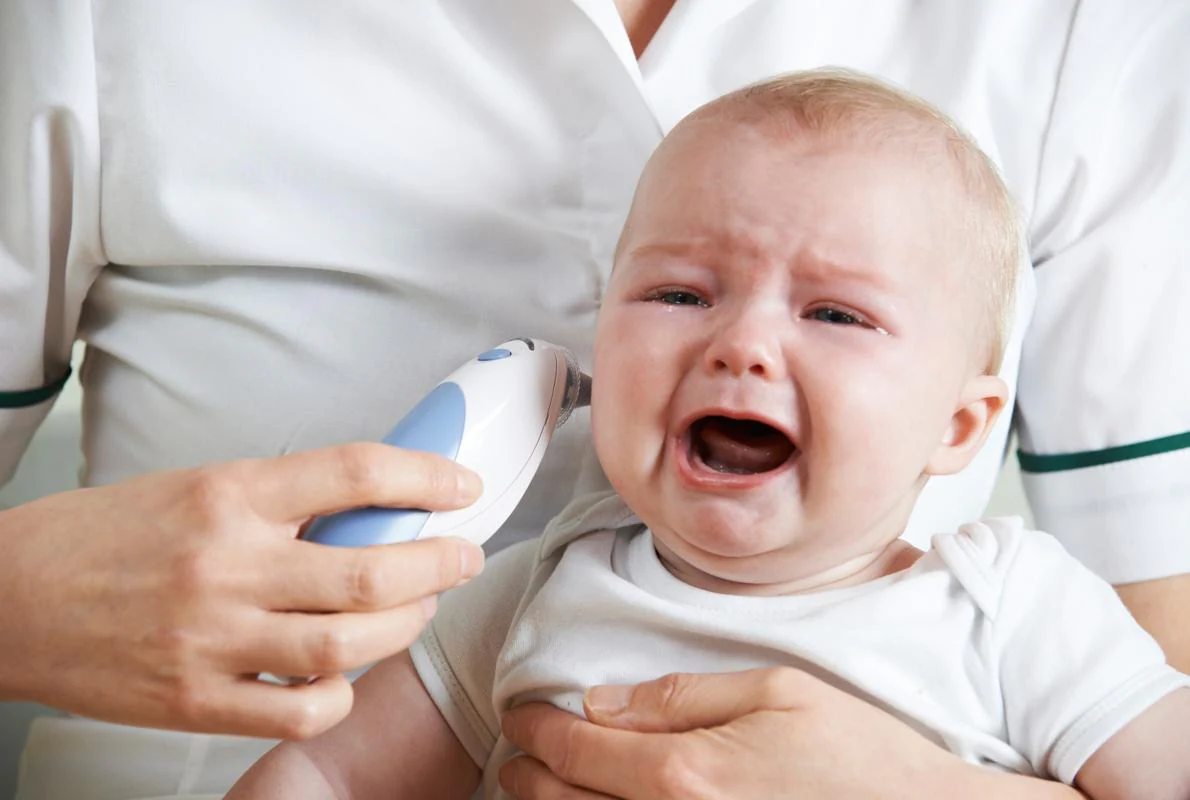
496,415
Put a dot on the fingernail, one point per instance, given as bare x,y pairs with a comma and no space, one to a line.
470,487
608,700
470,561
429,605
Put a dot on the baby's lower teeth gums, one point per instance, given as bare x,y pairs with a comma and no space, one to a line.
734,447
707,459
726,468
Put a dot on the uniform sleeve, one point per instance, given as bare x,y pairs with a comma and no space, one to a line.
456,656
1074,666
1104,393
50,247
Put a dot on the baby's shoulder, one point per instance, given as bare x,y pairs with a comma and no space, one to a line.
993,556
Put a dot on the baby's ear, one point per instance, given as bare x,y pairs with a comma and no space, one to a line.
982,400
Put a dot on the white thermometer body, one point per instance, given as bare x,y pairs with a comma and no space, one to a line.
495,415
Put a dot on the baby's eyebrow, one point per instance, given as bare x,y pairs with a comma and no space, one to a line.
808,268
818,269
660,251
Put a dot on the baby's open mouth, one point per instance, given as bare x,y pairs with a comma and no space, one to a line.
738,446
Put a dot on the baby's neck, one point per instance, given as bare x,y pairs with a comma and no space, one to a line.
896,556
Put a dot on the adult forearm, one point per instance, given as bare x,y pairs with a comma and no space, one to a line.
1163,608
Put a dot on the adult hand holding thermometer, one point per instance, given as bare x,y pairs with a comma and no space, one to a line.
495,415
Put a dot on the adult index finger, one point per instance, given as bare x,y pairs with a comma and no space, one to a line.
294,487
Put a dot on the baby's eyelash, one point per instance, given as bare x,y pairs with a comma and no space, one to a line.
676,297
837,316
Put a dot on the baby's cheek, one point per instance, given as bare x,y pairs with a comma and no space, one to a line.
612,435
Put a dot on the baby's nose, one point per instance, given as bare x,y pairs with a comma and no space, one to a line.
749,344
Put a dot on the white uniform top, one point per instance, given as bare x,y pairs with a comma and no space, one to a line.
277,224
996,644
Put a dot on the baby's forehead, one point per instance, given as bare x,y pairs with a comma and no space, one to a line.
886,136
714,168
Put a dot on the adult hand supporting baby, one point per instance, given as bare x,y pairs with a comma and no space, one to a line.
764,733
156,601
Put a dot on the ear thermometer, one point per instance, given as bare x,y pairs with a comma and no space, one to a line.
495,415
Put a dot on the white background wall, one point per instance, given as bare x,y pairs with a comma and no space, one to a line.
52,464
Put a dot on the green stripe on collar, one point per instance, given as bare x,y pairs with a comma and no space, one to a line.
31,397
1062,462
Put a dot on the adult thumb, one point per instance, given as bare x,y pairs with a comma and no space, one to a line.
681,702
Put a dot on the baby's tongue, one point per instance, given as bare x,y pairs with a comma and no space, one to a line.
739,446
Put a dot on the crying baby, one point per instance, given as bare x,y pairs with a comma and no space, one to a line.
803,325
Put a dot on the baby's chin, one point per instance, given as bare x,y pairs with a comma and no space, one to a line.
745,556
742,554
781,572
722,528
748,575
719,545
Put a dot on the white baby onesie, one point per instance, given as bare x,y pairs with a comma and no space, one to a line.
996,644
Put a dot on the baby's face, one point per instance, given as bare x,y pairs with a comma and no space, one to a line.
780,350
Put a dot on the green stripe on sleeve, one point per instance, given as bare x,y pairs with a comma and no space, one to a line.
31,397
1031,462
